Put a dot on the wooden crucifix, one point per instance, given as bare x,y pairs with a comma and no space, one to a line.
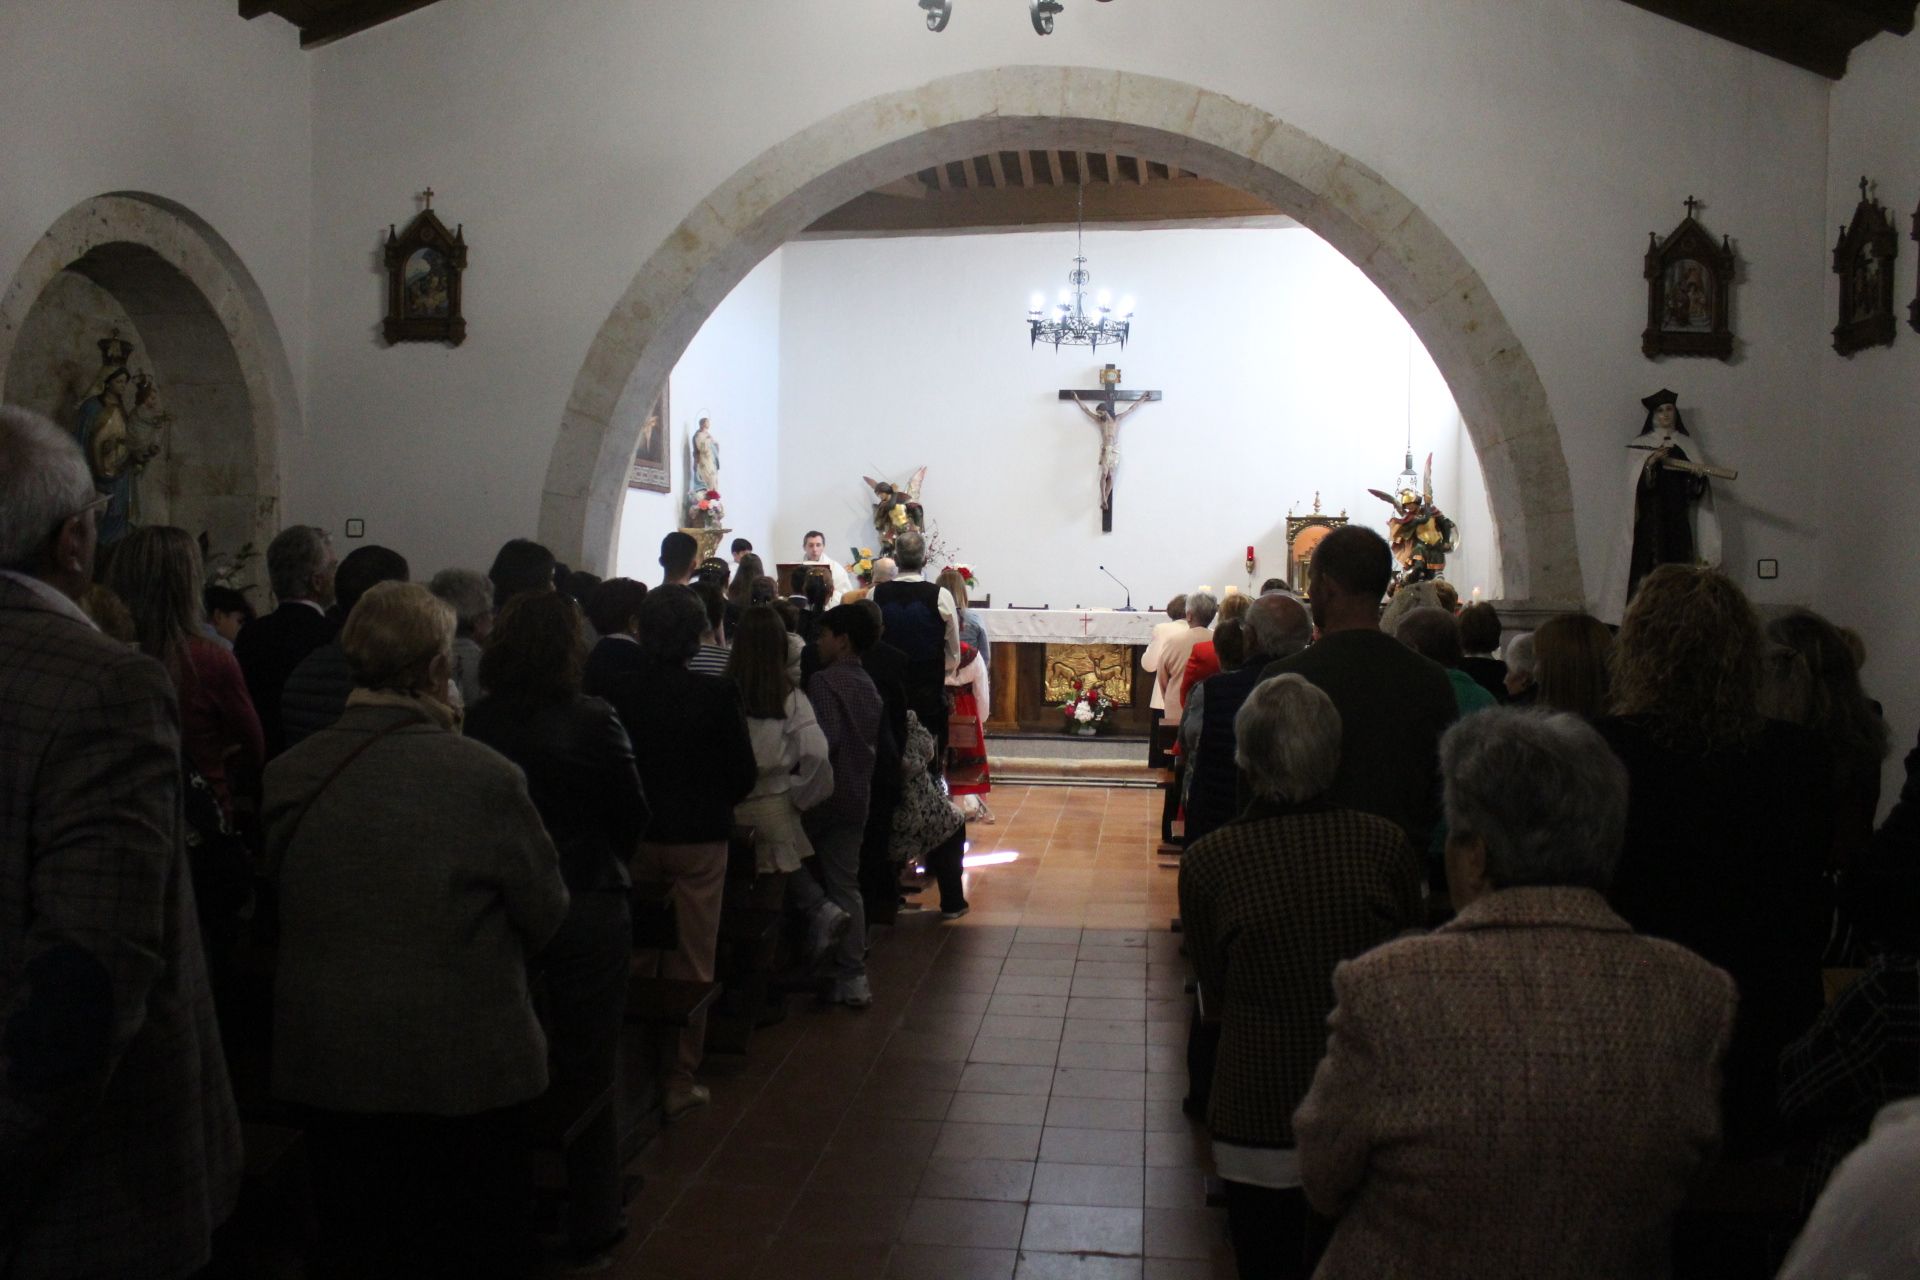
1106,415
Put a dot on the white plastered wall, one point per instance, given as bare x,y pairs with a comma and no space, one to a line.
181,100
1284,371
1868,438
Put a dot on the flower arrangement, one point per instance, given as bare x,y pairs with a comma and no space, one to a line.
860,564
1089,707
966,575
704,510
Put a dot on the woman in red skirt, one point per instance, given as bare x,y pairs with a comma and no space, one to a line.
968,778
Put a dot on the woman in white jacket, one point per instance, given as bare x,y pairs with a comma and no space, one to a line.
794,775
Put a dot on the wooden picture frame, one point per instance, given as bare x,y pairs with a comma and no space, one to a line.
652,467
1689,280
1913,308
425,264
1863,259
1303,535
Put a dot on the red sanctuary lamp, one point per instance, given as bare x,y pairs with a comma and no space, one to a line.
1249,561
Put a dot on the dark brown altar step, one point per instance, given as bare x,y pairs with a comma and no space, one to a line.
1039,771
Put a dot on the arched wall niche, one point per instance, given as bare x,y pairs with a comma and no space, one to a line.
180,293
1356,210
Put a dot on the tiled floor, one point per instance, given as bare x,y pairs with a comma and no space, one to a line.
1009,1107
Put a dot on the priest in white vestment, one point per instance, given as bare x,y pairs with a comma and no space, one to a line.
814,551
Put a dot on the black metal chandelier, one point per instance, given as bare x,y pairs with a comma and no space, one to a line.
1043,12
1072,322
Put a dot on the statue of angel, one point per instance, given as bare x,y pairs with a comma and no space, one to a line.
1421,534
895,510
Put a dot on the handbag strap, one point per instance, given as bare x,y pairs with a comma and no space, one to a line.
339,769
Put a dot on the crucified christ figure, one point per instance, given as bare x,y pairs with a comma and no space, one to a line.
1103,417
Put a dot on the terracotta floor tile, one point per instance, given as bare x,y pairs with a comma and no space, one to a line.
1177,1150
998,1108
1097,1113
1105,1031
1016,1026
1092,1146
1014,1051
1075,1266
941,1262
1009,1180
1176,1189
1113,1186
791,1258
993,1077
1018,984
1108,1009
828,1215
949,1044
723,1206
961,1140
1060,1228
981,1224
1187,1233
1108,1057
1093,1082
1028,1006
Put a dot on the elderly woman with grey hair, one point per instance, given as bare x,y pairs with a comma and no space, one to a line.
1521,665
1529,1089
1270,903
468,593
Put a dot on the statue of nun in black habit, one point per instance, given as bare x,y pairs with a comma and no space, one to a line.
1671,504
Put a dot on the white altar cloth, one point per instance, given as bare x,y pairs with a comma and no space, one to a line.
1069,626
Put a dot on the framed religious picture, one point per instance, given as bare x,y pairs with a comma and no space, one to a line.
652,460
424,266
1913,308
1864,262
1688,280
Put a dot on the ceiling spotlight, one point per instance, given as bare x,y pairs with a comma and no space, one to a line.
1041,12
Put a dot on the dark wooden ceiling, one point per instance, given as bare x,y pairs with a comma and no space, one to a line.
324,21
1815,34
1039,188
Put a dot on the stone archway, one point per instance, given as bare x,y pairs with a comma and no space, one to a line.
205,331
1353,208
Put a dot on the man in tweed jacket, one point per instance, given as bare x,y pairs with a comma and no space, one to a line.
119,1147
1528,1090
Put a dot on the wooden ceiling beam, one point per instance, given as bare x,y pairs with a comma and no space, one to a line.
1039,206
1113,168
997,168
941,177
1141,167
1026,167
1053,168
1817,35
324,21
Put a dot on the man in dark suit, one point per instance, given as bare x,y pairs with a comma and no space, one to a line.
119,1146
1280,628
316,690
614,610
300,565
1393,703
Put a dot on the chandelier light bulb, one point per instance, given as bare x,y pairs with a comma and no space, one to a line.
1105,299
1126,308
1039,303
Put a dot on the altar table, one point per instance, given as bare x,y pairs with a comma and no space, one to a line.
1021,640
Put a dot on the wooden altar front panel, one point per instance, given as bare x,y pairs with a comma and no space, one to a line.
1019,675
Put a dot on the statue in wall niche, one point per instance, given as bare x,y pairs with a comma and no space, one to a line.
119,425
706,457
1670,510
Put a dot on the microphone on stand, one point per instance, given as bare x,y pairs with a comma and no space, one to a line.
1128,606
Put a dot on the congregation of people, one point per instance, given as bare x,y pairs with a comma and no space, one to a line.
383,838
1517,967
1511,953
